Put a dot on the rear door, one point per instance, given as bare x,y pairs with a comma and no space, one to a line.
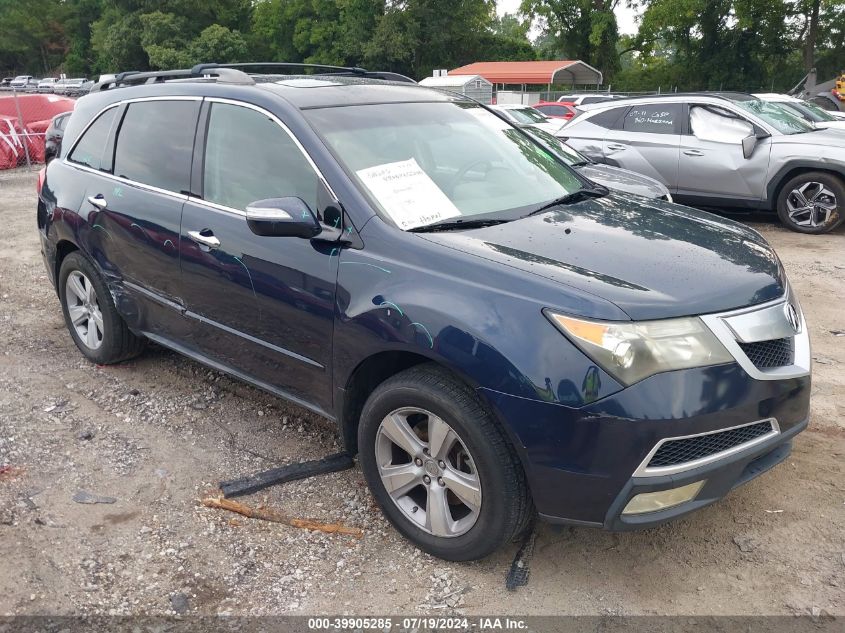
587,132
647,140
263,305
134,200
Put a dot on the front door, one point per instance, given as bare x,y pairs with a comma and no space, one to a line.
263,305
712,162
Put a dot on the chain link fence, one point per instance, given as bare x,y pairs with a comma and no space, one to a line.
24,119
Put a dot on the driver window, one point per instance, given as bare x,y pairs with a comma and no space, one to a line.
249,157
714,124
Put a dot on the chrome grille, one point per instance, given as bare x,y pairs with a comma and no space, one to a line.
767,354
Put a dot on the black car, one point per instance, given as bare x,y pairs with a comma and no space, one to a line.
495,335
53,136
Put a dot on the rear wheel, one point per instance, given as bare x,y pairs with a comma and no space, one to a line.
91,318
440,467
813,202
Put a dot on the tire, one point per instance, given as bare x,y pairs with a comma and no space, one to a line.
812,202
412,406
85,297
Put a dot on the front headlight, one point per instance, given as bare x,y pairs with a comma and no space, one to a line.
632,350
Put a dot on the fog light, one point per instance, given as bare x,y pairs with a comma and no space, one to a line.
654,501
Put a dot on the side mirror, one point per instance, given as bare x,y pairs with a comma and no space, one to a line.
748,145
282,217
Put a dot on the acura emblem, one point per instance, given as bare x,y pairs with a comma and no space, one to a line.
792,316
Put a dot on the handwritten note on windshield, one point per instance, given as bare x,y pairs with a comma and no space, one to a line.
408,195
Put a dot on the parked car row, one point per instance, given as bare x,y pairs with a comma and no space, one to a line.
49,85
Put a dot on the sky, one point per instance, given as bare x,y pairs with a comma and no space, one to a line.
624,15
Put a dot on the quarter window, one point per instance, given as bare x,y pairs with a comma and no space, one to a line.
659,118
608,118
89,149
249,157
155,143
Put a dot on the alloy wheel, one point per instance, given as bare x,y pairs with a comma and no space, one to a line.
428,472
83,308
810,204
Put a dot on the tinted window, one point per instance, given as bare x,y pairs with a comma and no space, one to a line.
155,142
659,118
553,110
587,100
89,149
249,157
608,118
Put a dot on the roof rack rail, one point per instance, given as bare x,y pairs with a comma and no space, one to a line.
332,70
232,73
135,77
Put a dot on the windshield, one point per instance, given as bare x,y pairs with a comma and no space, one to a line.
810,111
422,163
779,118
527,115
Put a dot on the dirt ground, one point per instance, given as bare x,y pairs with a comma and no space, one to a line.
157,433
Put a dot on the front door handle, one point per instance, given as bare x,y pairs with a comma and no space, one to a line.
98,201
616,147
693,152
205,240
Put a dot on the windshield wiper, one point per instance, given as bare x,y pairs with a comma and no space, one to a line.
455,225
575,196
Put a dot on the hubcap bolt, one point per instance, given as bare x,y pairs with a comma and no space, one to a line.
440,481
427,479
414,509
425,450
418,461
442,464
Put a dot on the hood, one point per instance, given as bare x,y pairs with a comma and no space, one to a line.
827,137
652,259
831,125
623,180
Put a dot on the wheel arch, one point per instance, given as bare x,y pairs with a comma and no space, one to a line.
795,168
368,374
64,248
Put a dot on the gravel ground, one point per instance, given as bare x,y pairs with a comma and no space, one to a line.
151,437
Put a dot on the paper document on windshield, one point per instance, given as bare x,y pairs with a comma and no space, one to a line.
408,195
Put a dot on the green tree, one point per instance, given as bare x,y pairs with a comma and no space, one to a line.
219,44
578,29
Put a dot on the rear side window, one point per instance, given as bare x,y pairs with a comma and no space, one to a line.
59,121
554,110
661,118
249,157
608,118
89,149
155,142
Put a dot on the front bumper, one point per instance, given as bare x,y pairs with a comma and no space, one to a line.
580,462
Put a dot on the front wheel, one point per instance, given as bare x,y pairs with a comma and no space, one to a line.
440,467
813,202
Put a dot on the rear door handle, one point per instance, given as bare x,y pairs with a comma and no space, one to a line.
616,147
98,201
693,152
205,240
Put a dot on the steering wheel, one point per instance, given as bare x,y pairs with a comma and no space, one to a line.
465,169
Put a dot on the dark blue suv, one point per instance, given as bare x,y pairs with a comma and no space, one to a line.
495,335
